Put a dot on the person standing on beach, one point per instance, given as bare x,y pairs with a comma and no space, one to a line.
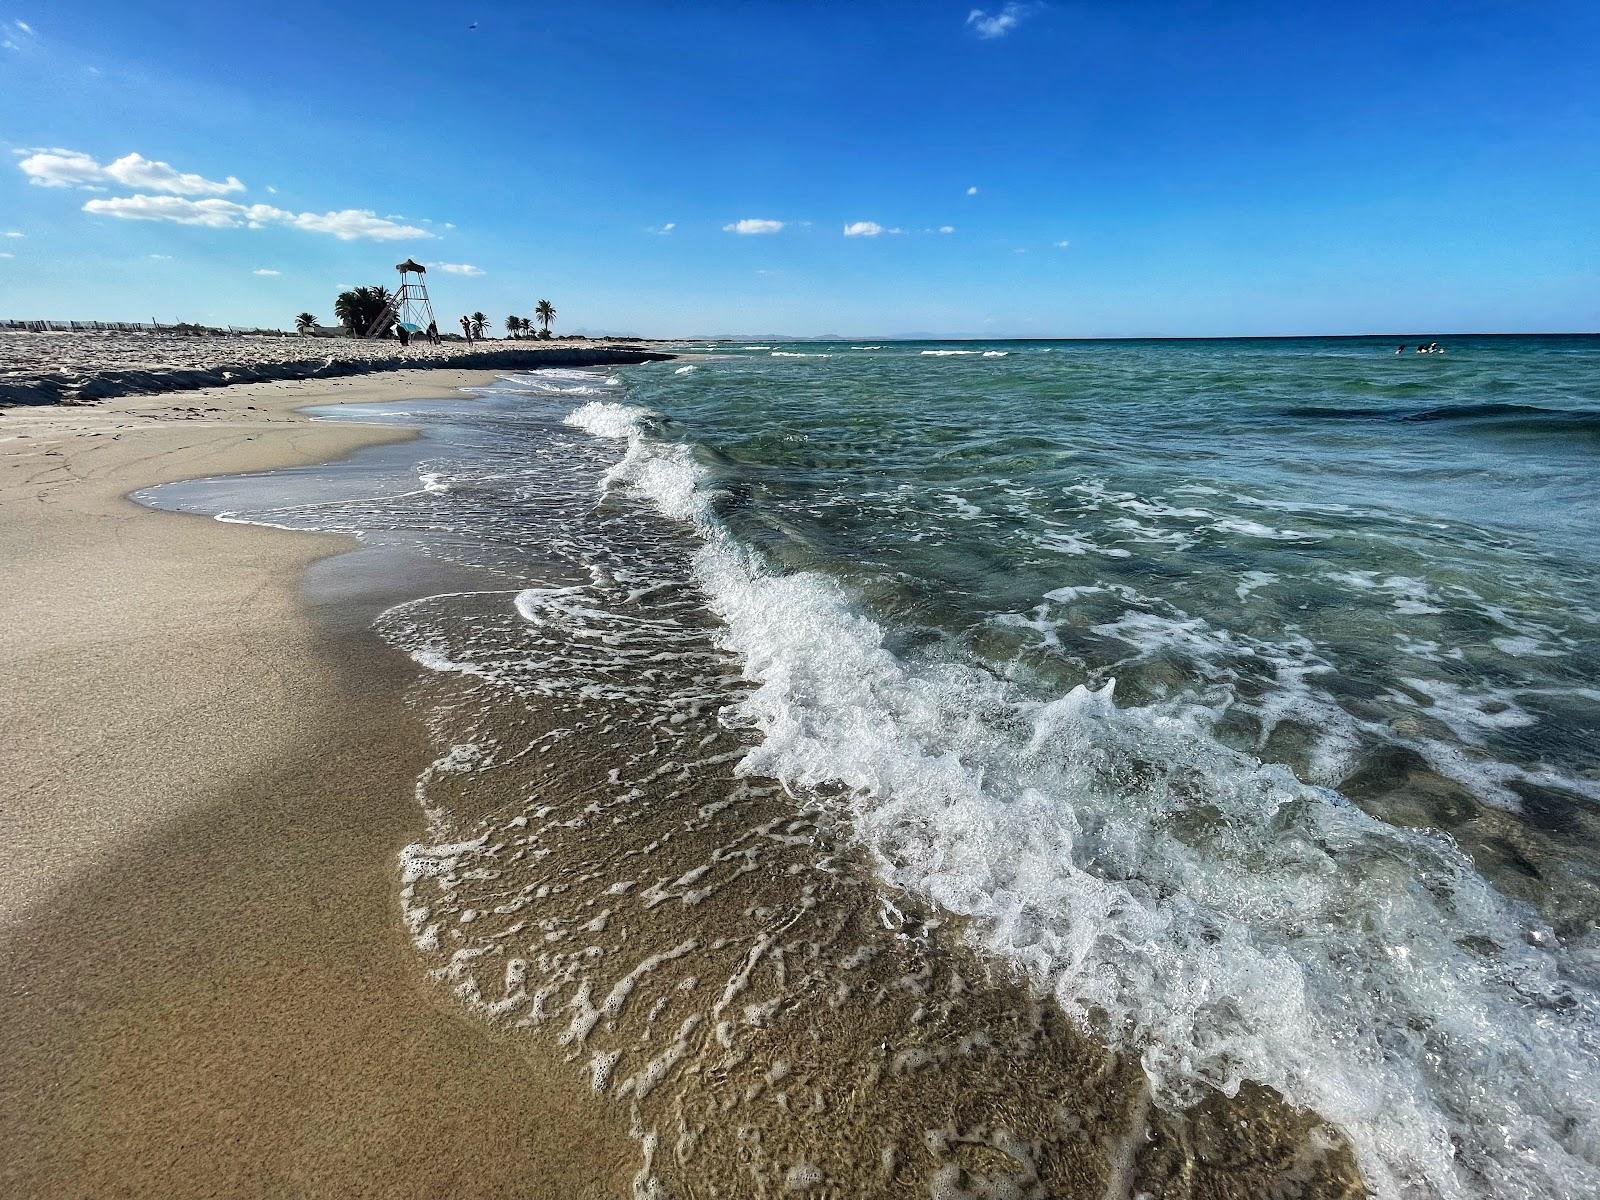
404,334
433,333
466,330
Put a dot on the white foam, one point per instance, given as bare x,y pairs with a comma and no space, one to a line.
608,419
1412,597
797,354
1249,581
1255,529
946,353
684,370
1525,647
559,381
1228,921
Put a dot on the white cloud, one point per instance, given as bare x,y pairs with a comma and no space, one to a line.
973,190
459,268
271,191
667,228
863,229
1062,245
1001,22
947,229
449,225
346,224
6,254
753,225
24,26
15,233
56,167
162,257
265,271
137,171
59,168
8,44
218,214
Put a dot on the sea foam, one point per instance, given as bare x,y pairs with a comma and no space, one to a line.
1221,917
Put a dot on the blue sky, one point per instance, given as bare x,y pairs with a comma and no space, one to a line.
1111,169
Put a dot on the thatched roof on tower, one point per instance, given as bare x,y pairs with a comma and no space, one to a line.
411,265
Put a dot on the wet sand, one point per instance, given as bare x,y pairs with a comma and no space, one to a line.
203,786
649,971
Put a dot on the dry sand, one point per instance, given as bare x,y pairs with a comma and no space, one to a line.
80,366
202,789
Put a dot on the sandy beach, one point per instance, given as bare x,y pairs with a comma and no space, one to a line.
74,367
210,987
208,990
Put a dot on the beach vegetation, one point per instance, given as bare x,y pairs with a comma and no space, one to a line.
305,323
480,324
360,308
546,312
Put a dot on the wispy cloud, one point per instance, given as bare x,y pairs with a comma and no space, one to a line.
752,225
161,257
973,190
56,167
265,271
459,268
947,229
24,26
14,233
1000,22
6,254
346,224
1061,245
863,229
663,230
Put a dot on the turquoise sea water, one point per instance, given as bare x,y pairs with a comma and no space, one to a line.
1243,695
1246,693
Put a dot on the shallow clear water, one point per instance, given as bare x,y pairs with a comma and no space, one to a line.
1242,694
1245,692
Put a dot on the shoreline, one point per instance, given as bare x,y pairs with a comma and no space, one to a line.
85,367
208,781
232,972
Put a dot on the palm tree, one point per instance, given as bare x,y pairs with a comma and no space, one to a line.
527,325
479,324
305,323
513,325
361,309
546,312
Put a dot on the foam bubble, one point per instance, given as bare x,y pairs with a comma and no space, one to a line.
1220,916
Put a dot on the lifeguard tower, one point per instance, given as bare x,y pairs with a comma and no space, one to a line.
410,305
